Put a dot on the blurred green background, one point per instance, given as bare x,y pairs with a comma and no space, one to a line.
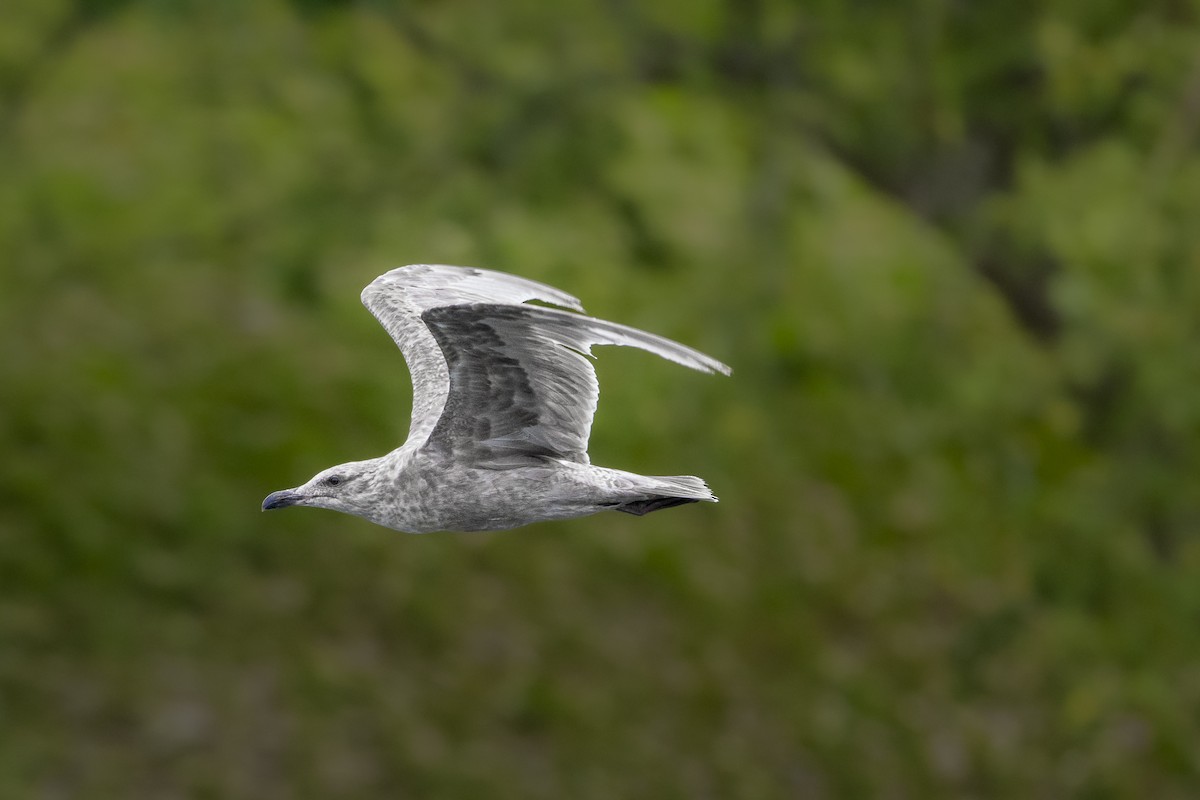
950,249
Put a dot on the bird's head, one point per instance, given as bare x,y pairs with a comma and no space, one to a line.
346,488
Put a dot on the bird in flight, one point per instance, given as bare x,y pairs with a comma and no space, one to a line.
503,398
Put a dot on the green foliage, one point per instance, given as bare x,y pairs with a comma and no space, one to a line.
949,248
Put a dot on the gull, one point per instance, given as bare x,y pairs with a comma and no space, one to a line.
503,398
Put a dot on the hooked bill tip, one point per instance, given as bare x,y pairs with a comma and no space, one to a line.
281,499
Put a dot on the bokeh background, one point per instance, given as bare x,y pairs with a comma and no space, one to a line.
951,250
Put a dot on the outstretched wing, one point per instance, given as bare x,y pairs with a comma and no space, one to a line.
521,380
398,299
513,381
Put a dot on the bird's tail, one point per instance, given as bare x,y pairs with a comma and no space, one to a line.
655,492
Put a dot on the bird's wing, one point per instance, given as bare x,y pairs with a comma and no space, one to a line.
398,299
512,381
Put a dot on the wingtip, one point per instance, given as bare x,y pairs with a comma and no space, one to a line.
694,359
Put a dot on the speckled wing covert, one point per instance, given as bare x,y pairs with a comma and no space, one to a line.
496,382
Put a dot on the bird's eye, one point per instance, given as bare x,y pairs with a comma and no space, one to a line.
333,480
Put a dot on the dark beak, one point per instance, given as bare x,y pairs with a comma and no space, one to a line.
282,499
